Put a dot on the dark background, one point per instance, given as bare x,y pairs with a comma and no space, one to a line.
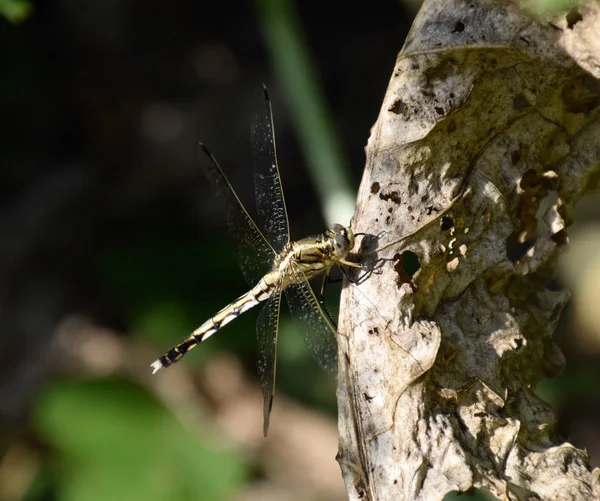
112,248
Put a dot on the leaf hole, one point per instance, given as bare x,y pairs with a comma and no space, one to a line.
407,265
573,17
516,250
458,27
447,223
398,107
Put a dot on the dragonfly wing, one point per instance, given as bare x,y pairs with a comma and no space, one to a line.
270,202
316,329
267,328
255,254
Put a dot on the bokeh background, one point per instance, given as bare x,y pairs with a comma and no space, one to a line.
113,248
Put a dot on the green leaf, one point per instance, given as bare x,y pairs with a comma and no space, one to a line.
15,11
112,441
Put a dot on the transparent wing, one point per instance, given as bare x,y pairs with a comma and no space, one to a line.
315,328
267,327
270,203
254,253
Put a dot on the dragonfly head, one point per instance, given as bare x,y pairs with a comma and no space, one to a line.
342,239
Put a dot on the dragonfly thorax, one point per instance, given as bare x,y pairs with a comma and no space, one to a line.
314,255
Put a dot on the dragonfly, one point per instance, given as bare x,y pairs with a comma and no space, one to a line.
271,263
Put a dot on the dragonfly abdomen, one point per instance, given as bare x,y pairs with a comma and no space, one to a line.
260,292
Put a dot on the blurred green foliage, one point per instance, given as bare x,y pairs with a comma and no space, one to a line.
540,6
112,441
15,11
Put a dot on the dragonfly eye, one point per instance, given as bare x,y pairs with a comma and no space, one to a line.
341,244
336,228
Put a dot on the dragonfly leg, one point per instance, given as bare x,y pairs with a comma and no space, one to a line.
323,287
377,237
347,277
373,267
326,280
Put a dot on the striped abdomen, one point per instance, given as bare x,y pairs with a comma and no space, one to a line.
260,292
